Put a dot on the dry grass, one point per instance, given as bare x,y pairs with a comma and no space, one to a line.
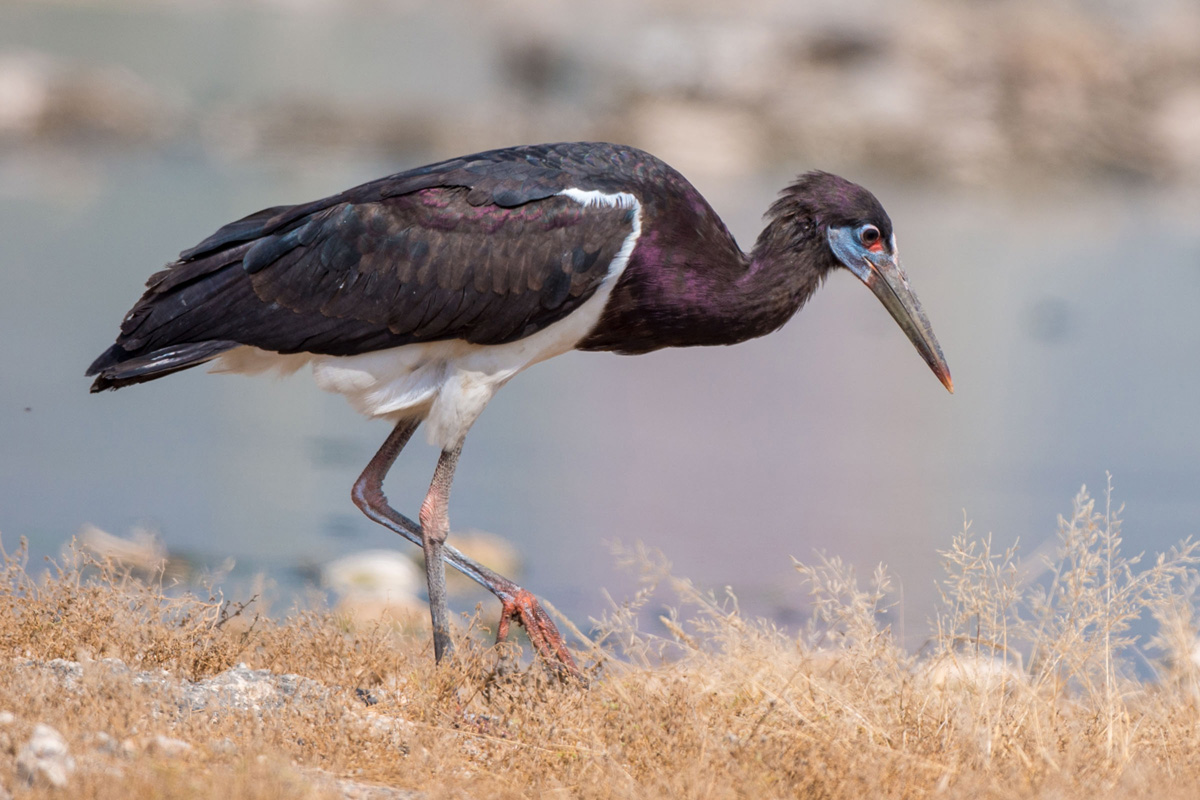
1032,684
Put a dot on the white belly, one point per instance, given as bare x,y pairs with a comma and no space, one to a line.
445,383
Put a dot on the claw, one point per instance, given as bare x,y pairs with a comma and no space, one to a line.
523,607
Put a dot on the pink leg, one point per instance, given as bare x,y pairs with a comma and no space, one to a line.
435,526
518,604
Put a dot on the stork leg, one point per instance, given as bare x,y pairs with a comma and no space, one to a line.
518,604
435,527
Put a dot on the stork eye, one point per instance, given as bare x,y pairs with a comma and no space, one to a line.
869,235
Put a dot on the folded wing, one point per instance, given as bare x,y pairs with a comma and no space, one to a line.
416,257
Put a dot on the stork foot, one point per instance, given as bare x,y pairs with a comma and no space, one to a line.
523,608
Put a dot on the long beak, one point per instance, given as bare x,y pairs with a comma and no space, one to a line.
884,276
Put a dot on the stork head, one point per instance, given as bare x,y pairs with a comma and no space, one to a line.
860,238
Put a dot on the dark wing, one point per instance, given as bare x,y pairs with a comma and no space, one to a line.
488,256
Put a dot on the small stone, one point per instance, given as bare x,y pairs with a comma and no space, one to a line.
169,747
224,747
69,673
7,718
45,758
106,743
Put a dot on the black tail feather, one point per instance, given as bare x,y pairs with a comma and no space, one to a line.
116,367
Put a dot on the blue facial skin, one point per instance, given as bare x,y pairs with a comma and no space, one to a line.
846,243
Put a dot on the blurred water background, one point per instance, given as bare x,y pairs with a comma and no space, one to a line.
1041,164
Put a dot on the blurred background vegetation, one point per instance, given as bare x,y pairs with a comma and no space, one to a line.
966,92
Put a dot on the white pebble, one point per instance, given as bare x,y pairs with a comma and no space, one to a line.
45,757
169,747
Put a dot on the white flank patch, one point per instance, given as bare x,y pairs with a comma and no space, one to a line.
447,383
253,361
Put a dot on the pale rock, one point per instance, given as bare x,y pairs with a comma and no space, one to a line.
976,674
45,758
168,746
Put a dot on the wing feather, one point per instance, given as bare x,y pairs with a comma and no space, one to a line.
522,263
483,249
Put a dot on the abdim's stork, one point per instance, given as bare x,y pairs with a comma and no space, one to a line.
419,295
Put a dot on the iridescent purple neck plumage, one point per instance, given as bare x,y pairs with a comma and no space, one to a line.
688,283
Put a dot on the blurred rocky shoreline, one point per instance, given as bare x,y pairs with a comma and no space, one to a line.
964,92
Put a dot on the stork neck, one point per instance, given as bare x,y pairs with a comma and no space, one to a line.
776,283
687,283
